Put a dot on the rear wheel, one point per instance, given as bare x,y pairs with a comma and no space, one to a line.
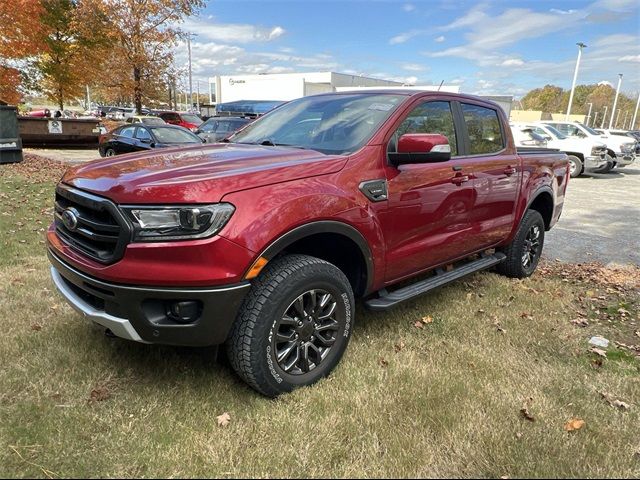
575,166
109,152
294,325
523,253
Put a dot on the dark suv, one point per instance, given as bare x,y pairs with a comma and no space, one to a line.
217,128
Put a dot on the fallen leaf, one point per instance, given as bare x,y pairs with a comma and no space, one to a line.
36,327
223,420
621,405
383,362
419,324
599,352
99,394
574,424
399,347
580,322
427,319
525,413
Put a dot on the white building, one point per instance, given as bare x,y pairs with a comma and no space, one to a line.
285,86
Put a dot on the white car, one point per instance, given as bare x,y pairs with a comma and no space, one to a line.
585,154
578,129
623,146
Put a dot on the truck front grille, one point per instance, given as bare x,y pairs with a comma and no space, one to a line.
90,224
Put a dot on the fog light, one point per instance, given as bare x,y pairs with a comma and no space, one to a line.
184,311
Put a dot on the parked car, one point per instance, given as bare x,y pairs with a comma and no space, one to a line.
146,120
622,145
582,131
585,154
264,246
42,113
217,128
139,137
187,120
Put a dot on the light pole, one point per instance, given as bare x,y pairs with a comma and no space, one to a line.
624,122
595,118
589,114
575,77
190,81
604,116
615,101
635,113
617,119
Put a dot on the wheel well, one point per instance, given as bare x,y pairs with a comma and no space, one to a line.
543,204
611,153
576,154
339,250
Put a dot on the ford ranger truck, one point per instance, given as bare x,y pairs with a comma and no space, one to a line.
263,243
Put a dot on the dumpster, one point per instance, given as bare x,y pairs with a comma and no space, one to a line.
59,132
10,142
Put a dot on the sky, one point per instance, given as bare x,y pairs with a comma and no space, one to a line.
486,47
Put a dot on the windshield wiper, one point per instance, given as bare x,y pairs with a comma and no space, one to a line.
268,143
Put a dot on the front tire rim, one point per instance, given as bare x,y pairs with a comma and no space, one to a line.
573,167
306,332
110,153
531,247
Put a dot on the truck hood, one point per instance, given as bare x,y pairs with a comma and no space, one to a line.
200,174
575,144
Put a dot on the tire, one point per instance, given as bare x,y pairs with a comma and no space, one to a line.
516,265
608,167
272,322
576,166
109,152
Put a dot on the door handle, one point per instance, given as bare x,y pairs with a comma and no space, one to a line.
509,171
460,179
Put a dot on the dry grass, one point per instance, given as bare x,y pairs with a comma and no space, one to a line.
445,401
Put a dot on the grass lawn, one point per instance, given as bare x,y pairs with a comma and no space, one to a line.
448,397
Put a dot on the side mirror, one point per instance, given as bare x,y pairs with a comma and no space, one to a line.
421,148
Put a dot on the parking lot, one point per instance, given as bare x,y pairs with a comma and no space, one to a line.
600,220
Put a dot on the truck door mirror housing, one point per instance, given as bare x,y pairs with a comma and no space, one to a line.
421,148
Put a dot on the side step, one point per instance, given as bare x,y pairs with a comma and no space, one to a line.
388,300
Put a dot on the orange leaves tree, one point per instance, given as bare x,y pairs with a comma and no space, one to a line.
142,34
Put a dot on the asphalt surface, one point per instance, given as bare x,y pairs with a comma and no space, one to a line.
600,220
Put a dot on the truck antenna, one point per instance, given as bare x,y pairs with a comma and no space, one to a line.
439,86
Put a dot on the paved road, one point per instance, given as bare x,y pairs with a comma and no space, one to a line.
600,220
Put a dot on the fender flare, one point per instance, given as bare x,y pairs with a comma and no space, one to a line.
323,226
533,198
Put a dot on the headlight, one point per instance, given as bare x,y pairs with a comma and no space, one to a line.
178,222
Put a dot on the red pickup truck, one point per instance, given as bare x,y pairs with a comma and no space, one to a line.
264,242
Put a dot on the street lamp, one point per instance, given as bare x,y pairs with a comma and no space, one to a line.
575,77
635,113
604,116
589,114
615,101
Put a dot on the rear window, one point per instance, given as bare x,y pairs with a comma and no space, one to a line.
174,135
127,132
483,127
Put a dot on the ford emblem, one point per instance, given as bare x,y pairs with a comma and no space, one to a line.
70,219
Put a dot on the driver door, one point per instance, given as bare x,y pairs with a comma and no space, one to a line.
429,203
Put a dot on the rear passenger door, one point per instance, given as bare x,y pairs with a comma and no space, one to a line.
124,141
497,172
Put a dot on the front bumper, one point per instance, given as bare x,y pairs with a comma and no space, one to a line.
594,162
140,313
624,159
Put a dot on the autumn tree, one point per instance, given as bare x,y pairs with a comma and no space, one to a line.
143,34
546,99
21,35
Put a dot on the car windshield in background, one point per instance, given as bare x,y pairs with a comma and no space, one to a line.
188,117
153,121
556,133
332,124
174,135
589,129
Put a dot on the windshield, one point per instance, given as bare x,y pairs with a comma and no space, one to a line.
556,133
590,130
174,135
331,124
189,117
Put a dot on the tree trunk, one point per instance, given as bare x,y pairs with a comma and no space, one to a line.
60,99
137,89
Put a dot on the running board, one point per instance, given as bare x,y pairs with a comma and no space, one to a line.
388,300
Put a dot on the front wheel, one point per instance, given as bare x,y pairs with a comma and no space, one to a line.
294,325
523,253
575,166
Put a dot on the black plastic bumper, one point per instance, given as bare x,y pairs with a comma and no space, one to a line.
142,313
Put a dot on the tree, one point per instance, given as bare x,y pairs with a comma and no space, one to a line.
143,33
547,99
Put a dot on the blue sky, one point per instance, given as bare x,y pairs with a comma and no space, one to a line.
485,47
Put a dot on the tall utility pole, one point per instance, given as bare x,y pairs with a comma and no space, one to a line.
595,118
190,79
635,113
615,101
604,116
617,120
589,114
198,95
575,77
624,122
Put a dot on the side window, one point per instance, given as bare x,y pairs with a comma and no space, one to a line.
563,128
209,127
142,134
429,117
130,120
127,132
483,127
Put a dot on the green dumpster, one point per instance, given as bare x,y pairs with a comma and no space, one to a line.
10,141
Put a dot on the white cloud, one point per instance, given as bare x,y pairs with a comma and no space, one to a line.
512,62
408,7
231,32
414,67
562,12
472,17
403,37
439,39
630,58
